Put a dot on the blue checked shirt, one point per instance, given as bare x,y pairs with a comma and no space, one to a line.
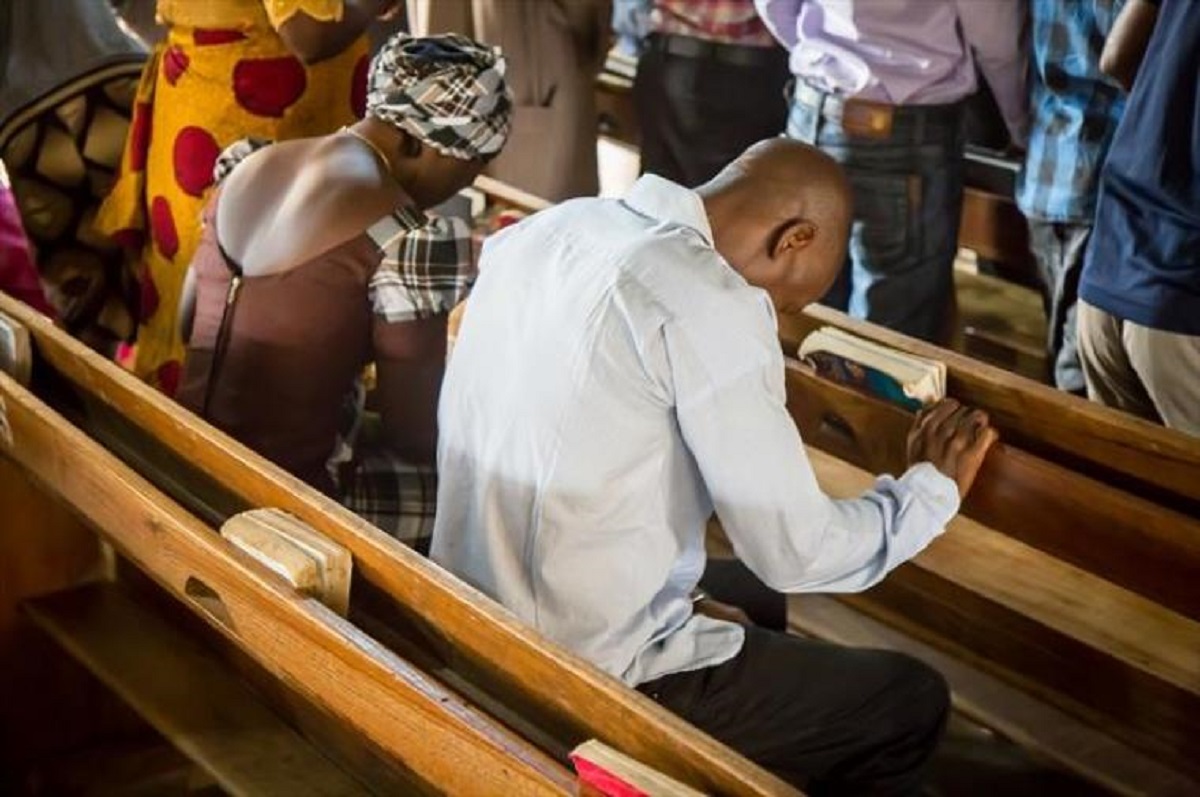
1075,109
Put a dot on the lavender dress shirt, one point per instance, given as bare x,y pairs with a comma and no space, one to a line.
907,52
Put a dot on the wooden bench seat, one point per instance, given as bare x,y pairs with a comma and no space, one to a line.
187,694
1101,652
1046,732
489,650
1120,536
430,737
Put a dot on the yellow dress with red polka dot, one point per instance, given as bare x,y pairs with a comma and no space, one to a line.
222,74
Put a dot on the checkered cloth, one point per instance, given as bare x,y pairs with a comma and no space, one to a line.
1076,109
381,488
725,21
448,91
427,266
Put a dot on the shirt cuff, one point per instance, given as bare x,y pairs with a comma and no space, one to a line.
934,489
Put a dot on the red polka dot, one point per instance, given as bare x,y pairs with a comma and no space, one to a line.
148,303
358,87
175,63
162,228
205,37
195,154
139,136
168,376
268,86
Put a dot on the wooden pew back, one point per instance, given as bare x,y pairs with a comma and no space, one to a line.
1119,449
441,743
1150,549
471,633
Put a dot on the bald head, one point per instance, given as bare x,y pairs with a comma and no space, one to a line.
780,215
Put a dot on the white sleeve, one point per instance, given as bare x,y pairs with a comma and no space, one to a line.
730,404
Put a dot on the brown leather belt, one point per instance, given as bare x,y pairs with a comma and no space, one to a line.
867,118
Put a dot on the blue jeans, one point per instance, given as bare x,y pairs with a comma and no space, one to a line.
908,189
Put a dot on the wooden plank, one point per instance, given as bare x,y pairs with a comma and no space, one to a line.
429,731
44,547
468,626
994,227
1128,540
511,195
187,695
1115,447
1037,726
1099,651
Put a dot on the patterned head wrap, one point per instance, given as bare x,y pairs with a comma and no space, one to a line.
448,91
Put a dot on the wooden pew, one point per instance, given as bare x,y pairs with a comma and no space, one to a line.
467,638
1150,549
1101,652
430,739
1117,449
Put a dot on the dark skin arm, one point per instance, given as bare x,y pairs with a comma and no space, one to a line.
954,438
312,40
1126,44
410,362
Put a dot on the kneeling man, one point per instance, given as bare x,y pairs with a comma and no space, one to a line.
617,378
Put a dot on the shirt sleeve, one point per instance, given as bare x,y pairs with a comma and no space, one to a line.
780,18
424,271
732,416
995,31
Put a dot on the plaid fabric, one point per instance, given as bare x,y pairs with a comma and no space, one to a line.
1075,109
448,91
426,269
725,21
397,496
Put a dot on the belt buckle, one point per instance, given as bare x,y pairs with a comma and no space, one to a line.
866,119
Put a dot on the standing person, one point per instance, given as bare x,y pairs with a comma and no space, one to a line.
709,84
555,49
1139,310
316,258
617,379
272,69
880,86
1076,108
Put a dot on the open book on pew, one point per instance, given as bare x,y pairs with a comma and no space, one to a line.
905,379
605,772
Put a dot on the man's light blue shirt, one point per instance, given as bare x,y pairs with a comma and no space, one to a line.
615,381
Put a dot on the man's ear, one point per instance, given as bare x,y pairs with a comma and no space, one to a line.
794,236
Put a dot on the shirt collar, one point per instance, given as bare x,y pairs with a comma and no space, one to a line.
666,201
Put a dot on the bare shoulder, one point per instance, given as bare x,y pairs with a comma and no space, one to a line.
294,200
